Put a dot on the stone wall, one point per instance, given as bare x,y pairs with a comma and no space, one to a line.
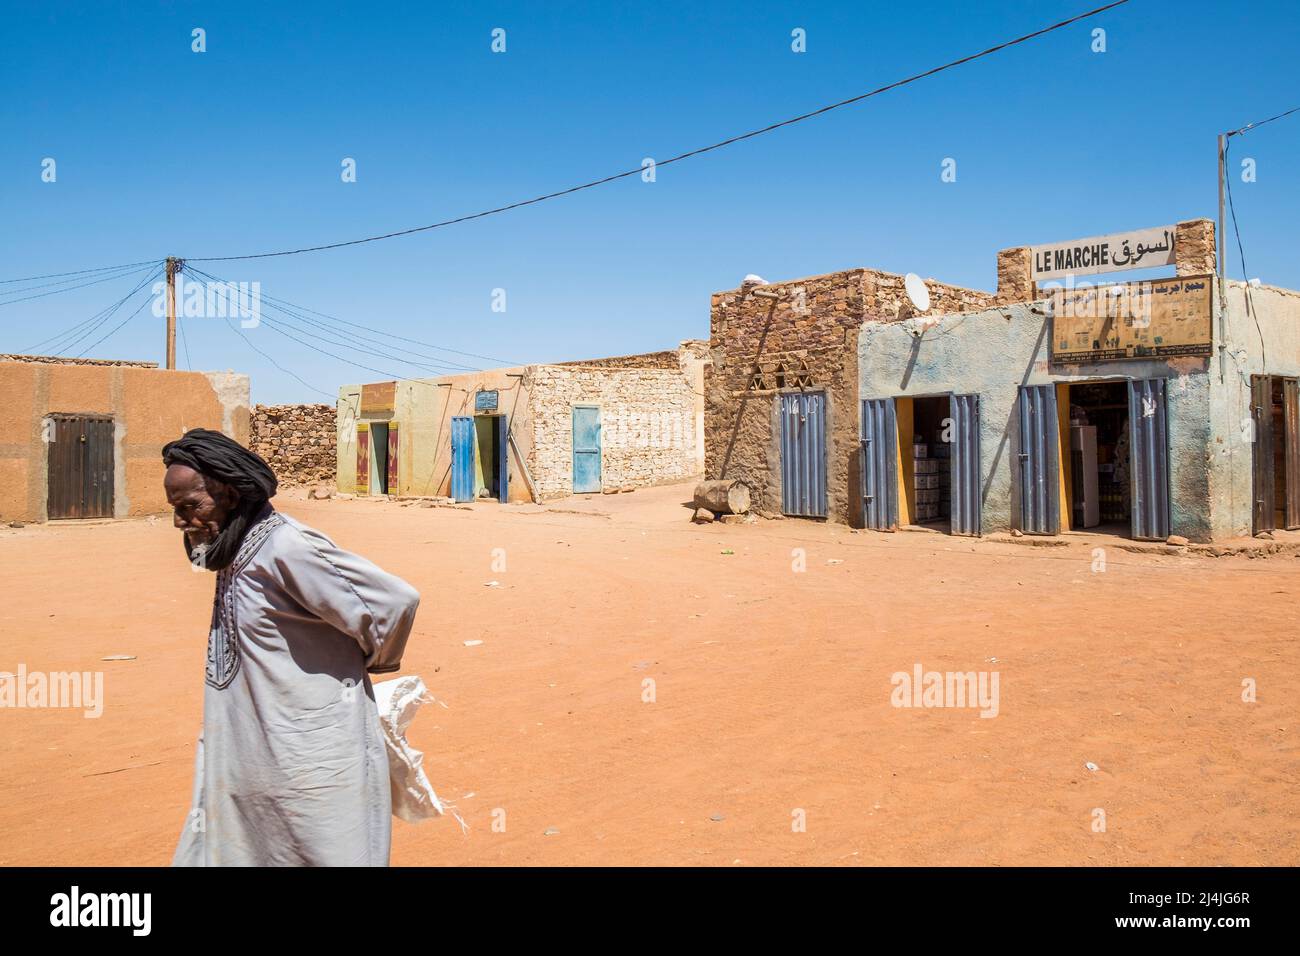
647,425
297,441
1194,252
665,359
806,340
60,360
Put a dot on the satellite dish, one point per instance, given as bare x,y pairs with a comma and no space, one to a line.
917,292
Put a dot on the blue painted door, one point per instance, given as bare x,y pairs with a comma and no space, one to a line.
462,459
964,482
1039,460
879,464
503,459
586,449
803,454
1149,452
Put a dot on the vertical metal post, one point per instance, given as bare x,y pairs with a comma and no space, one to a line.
1218,263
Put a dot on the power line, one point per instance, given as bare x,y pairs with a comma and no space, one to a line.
286,371
325,335
340,338
429,345
274,327
55,275
113,311
108,314
114,330
1241,252
1257,125
378,371
60,282
295,311
72,288
687,155
88,326
185,342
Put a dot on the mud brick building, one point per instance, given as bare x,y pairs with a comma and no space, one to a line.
83,437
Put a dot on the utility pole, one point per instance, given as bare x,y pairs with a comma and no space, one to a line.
173,267
1218,264
1223,145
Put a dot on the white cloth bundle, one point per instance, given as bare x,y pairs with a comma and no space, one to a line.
398,700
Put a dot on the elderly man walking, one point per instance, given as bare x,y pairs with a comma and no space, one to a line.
292,768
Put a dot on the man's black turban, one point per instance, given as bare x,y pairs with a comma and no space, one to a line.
213,455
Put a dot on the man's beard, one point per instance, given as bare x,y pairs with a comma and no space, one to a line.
221,550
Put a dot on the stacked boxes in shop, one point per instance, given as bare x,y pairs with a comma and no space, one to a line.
931,479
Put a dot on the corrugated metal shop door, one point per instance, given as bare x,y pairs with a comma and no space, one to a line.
803,454
462,458
1039,467
1149,440
586,449
1261,416
964,485
879,465
80,463
1291,422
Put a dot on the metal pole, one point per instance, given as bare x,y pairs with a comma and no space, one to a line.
1223,145
1218,263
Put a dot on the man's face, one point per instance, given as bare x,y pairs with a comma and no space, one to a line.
200,505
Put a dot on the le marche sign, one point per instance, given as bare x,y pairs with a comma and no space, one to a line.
1138,249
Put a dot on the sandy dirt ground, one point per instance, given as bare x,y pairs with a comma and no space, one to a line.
772,691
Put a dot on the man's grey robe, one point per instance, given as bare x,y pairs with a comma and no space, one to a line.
292,768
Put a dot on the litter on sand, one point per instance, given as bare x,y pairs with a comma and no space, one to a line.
473,643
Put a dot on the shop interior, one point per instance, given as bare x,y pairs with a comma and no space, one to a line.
378,458
929,455
1100,460
487,434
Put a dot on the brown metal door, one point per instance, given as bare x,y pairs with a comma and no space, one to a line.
1291,449
98,486
80,467
1261,416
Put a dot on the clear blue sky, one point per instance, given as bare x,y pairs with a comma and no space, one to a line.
161,150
